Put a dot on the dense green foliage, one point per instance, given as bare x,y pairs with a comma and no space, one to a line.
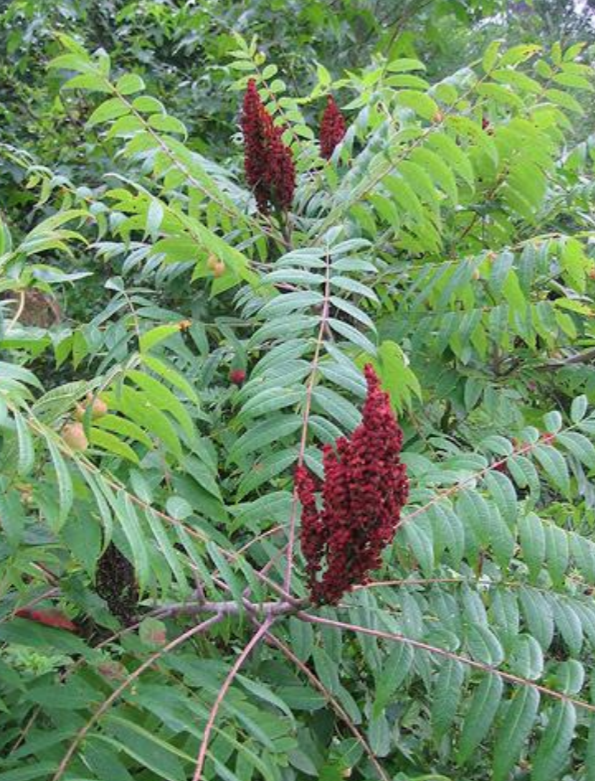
149,498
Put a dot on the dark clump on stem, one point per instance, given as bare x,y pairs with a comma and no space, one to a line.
115,582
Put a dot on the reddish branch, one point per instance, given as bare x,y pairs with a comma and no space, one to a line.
272,610
432,649
333,702
106,704
324,316
202,752
230,608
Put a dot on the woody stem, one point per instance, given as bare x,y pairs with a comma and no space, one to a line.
305,423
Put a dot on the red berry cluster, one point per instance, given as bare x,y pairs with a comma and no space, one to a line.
332,128
267,161
365,486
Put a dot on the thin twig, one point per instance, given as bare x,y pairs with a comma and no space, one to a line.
408,582
81,734
305,423
254,540
53,592
18,313
135,318
202,752
467,481
380,634
228,608
585,357
26,729
333,702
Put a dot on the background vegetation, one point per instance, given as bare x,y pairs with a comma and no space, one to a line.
169,355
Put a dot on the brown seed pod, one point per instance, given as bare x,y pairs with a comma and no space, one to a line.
74,436
98,408
219,269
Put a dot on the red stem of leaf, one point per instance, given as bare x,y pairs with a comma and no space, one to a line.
305,422
202,752
516,679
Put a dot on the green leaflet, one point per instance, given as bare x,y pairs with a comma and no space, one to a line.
326,670
124,427
552,752
418,538
573,620
554,465
26,457
64,481
538,615
331,403
148,749
226,571
265,469
533,542
112,444
557,553
170,374
526,657
171,555
480,716
518,716
579,446
503,493
447,695
272,429
271,400
138,406
395,670
352,335
159,395
484,645
12,516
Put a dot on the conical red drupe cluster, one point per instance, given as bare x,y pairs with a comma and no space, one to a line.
364,489
268,163
332,128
